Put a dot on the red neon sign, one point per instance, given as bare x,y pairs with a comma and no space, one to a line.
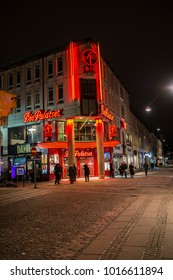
89,57
105,112
80,153
113,130
42,115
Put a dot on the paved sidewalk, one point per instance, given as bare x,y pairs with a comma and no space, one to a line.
143,231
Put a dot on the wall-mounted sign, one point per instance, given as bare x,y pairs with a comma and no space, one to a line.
105,112
89,57
20,171
113,130
48,128
80,153
123,124
42,115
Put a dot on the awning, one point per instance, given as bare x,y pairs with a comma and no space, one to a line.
78,145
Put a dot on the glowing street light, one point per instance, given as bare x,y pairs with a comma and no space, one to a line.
148,108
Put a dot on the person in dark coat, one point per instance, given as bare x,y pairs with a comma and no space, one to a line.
75,172
58,172
111,170
131,169
146,168
121,170
124,167
86,173
71,174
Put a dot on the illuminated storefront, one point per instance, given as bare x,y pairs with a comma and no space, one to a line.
69,121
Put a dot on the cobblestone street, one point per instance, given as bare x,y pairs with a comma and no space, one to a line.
115,218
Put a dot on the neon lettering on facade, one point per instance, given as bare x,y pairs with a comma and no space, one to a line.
105,112
42,115
80,154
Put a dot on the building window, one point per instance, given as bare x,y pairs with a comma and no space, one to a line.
121,92
88,97
50,96
10,80
37,72
50,69
37,99
34,133
59,66
85,131
18,79
122,111
61,131
28,101
28,75
60,93
18,104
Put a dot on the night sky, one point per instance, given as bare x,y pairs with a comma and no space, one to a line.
136,39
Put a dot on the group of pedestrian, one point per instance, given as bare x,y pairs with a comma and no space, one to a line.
72,173
123,169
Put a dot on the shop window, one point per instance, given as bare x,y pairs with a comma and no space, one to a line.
16,135
34,133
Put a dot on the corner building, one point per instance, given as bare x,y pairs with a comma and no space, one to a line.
67,107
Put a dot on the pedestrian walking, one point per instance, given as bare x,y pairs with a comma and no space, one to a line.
71,173
86,172
146,168
75,171
121,170
124,167
58,172
131,169
152,166
111,170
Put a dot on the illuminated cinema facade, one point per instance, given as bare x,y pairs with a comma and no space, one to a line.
68,107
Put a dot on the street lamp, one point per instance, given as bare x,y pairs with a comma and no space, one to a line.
148,107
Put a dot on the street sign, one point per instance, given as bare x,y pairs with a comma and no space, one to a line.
20,171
